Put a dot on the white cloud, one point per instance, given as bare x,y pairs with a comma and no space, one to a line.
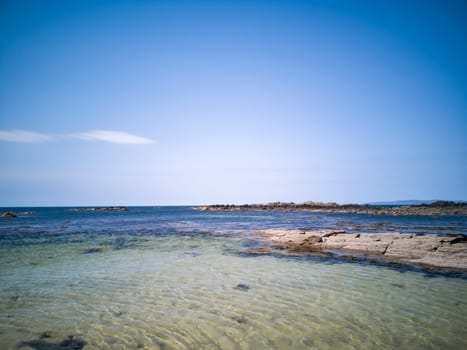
23,136
120,137
112,136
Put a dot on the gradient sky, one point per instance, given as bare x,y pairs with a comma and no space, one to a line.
192,102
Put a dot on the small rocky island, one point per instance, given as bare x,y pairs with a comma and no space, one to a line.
8,214
433,209
100,209
437,252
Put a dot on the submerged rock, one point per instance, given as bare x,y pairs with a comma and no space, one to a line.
73,343
242,287
93,250
308,342
47,334
240,319
8,214
70,343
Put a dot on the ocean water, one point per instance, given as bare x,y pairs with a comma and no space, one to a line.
178,278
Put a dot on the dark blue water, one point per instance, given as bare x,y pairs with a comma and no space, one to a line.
62,225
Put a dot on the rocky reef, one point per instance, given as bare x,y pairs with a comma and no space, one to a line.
438,252
69,343
433,209
8,214
100,209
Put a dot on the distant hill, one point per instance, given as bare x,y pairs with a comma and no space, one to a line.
407,202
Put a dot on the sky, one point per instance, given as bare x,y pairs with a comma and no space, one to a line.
203,102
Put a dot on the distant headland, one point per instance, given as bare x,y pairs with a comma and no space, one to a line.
431,209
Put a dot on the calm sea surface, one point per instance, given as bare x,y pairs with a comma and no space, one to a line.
177,278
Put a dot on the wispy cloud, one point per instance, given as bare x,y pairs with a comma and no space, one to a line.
24,136
112,136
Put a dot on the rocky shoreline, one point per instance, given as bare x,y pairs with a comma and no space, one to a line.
434,209
435,252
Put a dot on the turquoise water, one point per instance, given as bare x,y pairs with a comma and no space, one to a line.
175,278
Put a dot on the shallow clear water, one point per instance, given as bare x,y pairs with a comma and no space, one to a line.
174,278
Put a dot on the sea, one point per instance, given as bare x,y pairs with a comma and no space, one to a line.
181,278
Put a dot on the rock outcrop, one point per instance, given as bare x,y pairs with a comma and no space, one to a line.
8,214
433,209
432,251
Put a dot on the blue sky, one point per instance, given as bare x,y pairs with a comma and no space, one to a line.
192,102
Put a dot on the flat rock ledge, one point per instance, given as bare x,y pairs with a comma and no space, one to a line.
437,252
